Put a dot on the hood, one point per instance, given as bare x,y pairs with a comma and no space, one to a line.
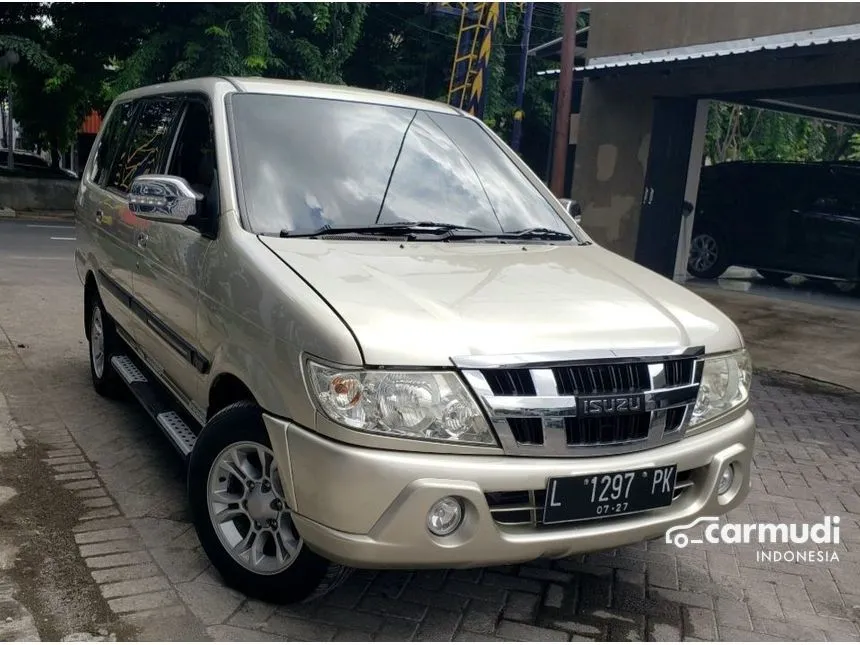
421,303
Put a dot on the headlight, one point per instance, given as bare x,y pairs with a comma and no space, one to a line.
416,405
725,385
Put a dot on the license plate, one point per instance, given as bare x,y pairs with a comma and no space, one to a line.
571,499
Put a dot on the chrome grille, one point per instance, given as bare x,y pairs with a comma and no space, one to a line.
576,404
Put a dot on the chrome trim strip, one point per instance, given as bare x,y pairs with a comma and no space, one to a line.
554,435
547,405
531,406
547,359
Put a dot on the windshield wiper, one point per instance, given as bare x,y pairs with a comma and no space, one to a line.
394,228
537,233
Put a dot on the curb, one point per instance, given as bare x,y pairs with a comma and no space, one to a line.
9,214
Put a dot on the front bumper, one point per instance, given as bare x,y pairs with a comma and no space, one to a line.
367,508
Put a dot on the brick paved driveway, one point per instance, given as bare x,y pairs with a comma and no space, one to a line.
117,470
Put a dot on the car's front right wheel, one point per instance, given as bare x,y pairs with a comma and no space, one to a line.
242,516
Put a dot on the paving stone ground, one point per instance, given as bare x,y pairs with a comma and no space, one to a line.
117,476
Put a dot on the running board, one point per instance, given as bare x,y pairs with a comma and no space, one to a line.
157,403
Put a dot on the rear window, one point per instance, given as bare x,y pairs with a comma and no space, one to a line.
307,162
143,151
115,129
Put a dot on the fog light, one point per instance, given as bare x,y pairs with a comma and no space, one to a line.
727,478
445,516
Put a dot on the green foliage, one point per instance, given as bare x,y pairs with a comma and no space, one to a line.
82,55
737,132
852,152
309,41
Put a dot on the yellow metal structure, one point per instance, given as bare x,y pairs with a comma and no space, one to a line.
478,22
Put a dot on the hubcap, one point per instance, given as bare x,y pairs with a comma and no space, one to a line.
248,509
703,252
97,342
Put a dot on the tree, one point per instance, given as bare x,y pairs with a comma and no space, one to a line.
309,41
64,50
738,132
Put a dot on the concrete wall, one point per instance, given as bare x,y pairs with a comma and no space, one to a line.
29,194
611,156
628,27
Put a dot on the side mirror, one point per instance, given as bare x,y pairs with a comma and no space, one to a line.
573,209
163,198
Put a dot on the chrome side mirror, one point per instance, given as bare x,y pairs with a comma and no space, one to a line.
163,198
573,209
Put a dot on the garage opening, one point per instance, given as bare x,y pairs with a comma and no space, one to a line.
777,207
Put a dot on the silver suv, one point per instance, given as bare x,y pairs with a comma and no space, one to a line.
380,341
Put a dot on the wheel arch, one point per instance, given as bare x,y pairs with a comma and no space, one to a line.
226,389
91,291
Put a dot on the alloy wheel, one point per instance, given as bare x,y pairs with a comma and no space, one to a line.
703,252
248,509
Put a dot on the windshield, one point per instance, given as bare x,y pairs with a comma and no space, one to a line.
306,163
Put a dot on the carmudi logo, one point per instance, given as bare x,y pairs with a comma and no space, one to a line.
793,536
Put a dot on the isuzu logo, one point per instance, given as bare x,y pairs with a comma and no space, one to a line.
594,406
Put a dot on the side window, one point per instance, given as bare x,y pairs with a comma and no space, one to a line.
836,193
114,132
143,151
193,156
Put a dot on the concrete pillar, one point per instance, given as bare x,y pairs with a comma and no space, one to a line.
697,153
613,139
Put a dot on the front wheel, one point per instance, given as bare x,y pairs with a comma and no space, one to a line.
708,256
242,517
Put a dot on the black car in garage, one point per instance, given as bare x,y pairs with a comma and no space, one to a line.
780,218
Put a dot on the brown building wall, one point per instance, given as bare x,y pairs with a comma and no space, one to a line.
628,27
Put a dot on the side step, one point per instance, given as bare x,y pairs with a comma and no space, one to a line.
157,402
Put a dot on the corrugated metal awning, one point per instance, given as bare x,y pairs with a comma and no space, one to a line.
797,39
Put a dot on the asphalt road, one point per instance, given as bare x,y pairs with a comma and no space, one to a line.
41,251
95,538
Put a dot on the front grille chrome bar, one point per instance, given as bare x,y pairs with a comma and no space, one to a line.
615,410
566,406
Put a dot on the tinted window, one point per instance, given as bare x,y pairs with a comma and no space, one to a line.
143,149
193,156
839,192
305,163
114,131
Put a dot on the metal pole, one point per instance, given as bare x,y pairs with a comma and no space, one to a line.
565,91
521,87
10,161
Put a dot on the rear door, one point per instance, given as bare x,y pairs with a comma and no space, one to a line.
105,220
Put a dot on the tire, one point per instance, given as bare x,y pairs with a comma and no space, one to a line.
708,255
772,277
232,443
104,342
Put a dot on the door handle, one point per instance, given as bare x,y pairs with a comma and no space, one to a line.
99,216
141,239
